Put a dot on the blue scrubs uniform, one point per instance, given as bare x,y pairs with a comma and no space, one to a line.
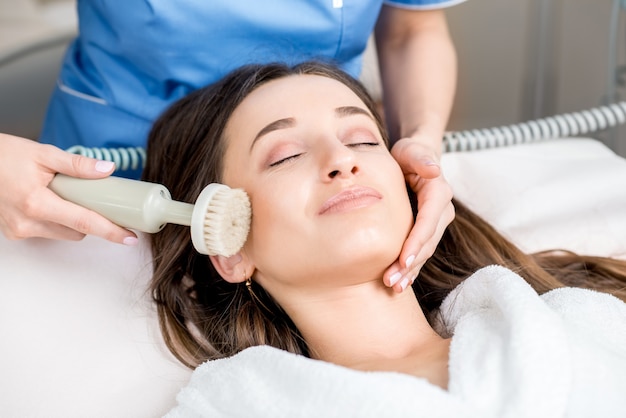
132,59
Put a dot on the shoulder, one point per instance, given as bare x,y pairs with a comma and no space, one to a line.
571,300
514,344
599,316
494,291
497,292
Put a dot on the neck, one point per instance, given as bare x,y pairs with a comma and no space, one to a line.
370,327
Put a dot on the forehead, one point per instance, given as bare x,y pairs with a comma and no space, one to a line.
287,96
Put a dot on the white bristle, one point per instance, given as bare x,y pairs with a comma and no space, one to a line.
221,220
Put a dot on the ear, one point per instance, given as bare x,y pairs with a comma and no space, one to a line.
234,269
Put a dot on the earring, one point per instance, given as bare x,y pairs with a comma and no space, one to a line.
248,282
253,295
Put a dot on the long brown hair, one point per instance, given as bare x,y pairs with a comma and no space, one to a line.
204,317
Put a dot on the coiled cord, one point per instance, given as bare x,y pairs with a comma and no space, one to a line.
559,126
131,158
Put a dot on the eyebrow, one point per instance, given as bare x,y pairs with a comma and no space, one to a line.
285,123
351,110
274,126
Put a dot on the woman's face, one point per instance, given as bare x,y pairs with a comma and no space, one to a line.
328,201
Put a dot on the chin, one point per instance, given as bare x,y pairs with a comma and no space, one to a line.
364,267
370,246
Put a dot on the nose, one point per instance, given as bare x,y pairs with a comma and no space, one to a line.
339,161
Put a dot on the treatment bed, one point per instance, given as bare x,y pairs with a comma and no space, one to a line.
80,335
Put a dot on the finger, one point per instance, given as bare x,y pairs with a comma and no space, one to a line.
407,279
58,232
15,227
425,168
59,161
417,160
49,230
393,274
432,219
398,277
426,234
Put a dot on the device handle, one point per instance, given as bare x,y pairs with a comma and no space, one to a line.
133,204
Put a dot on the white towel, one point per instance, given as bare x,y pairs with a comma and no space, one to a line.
513,354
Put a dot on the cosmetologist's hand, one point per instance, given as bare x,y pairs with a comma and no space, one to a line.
28,208
420,165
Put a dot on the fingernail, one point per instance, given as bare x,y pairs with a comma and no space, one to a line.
404,283
104,166
409,260
131,241
394,278
430,162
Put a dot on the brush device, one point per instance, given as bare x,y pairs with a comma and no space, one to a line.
219,220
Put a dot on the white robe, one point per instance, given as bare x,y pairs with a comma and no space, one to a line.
513,354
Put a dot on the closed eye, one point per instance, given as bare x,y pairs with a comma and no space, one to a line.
284,160
364,144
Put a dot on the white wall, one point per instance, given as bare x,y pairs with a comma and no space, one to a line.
33,38
490,36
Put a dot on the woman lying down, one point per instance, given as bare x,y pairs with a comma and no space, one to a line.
302,322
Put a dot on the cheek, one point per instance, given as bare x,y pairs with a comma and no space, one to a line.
279,218
271,214
401,220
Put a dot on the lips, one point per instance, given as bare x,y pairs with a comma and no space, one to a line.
349,199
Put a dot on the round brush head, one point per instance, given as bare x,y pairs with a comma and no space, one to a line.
220,221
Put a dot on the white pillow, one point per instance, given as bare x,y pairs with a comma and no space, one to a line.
565,193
